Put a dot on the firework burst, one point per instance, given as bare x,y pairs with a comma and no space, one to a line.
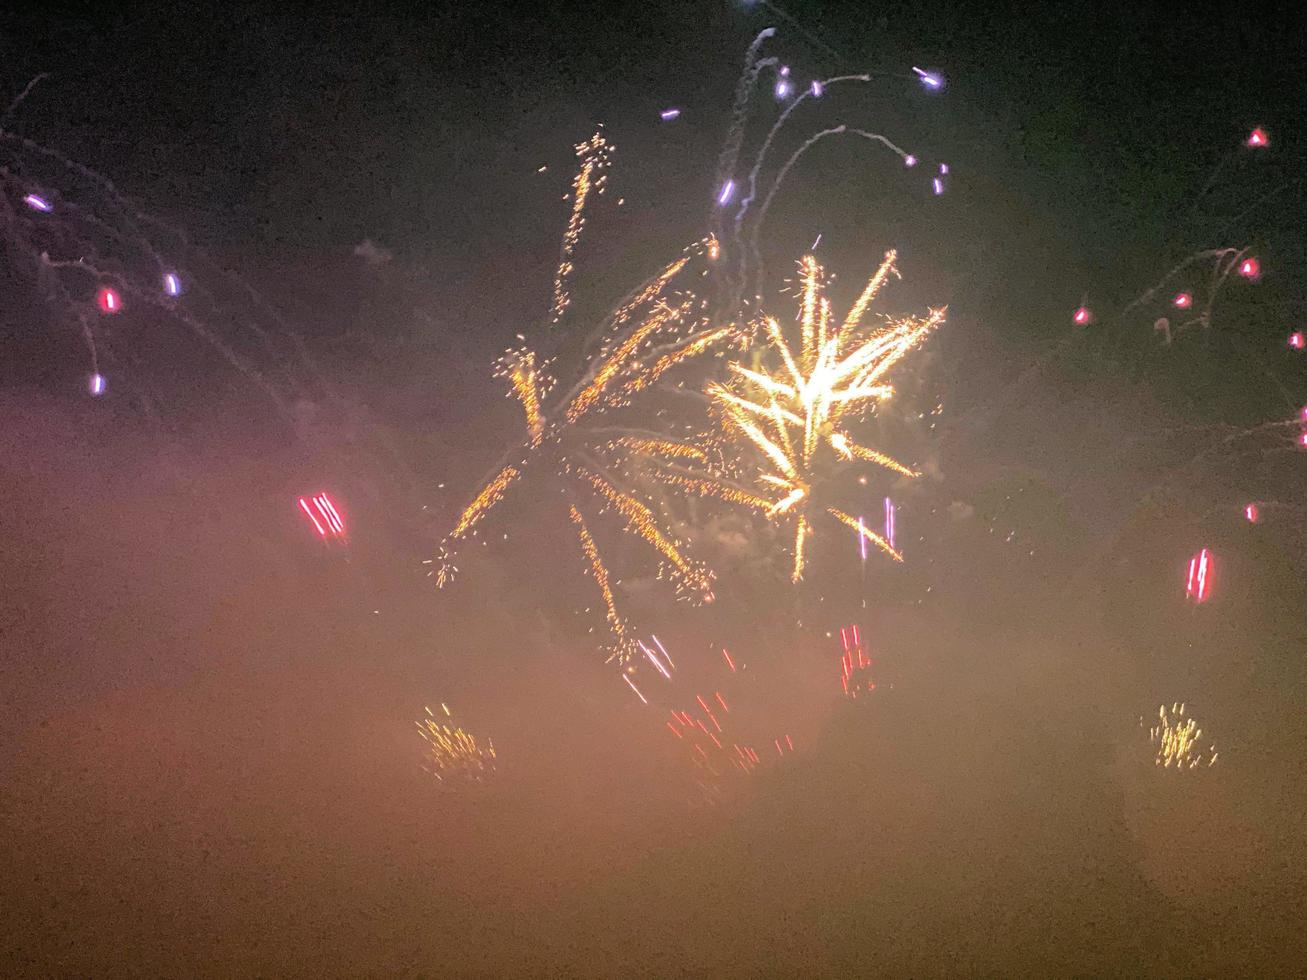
575,437
794,415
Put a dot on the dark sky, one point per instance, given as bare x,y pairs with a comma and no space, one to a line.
207,723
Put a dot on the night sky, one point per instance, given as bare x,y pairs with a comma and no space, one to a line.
207,750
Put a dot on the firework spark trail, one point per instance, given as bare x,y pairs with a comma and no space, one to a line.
594,155
641,521
91,219
530,385
620,359
452,752
599,572
758,221
761,157
753,67
490,494
1176,737
828,380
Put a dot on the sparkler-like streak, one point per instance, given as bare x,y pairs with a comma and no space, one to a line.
794,416
590,179
453,753
1176,736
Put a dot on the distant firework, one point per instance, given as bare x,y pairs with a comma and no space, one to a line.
1177,738
453,754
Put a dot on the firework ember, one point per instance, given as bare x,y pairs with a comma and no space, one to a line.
1177,739
453,754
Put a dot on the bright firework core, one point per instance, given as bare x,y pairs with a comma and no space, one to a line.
794,416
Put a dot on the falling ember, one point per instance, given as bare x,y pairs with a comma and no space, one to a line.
889,521
1198,584
1182,301
324,516
172,284
1176,737
862,540
1250,268
1257,137
452,752
1251,513
727,192
938,186
96,385
1082,316
816,89
37,203
909,161
108,300
1297,340
729,662
669,114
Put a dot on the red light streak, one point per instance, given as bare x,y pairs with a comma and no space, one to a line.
722,702
1082,316
108,300
729,662
1252,513
323,514
1198,585
304,505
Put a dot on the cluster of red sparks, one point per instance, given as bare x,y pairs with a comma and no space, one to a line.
1198,583
323,515
707,727
855,665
